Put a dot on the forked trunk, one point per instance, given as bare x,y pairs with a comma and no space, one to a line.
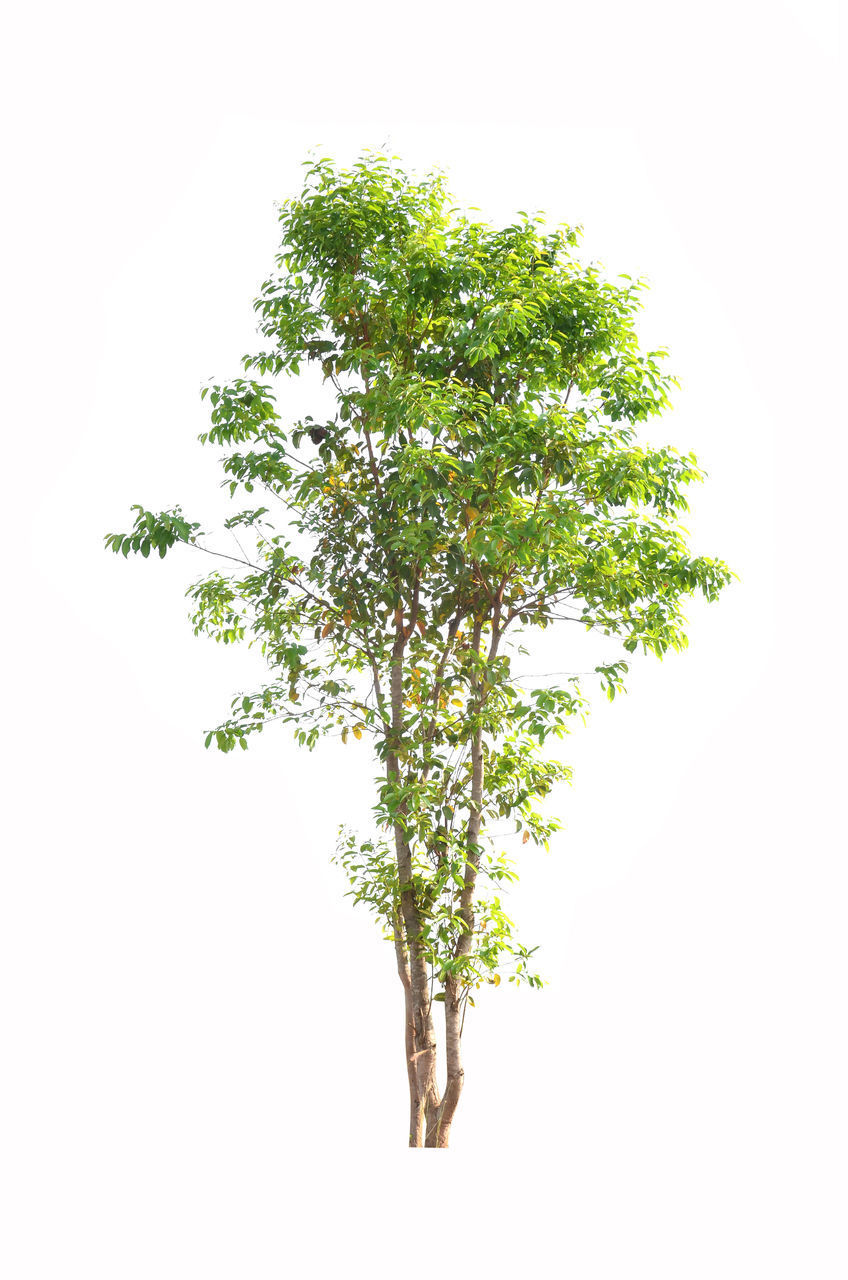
440,1119
431,1116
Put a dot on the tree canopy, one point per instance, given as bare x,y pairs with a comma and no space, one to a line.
479,478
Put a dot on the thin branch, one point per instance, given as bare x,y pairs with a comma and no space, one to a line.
223,555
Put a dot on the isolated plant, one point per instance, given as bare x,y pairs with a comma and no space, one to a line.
479,477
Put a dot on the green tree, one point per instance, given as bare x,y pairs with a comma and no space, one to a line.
479,478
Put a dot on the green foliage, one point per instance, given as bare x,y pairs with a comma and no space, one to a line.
159,532
480,478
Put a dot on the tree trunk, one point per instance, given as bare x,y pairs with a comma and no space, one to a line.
420,1033
431,1116
419,1037
440,1117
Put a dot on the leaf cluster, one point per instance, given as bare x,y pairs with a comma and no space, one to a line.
481,477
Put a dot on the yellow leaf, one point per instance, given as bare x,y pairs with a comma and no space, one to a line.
497,979
457,702
357,732
344,734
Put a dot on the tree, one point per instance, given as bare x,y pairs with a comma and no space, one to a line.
479,478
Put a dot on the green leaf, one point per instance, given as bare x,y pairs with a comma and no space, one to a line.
481,473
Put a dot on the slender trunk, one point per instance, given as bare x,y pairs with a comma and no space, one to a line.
441,1116
420,1032
420,1035
431,1116
439,1131
409,1024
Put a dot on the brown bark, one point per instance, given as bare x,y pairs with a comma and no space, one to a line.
420,1032
409,1022
439,1130
431,1116
440,1117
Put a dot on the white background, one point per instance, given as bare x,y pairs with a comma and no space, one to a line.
202,1070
